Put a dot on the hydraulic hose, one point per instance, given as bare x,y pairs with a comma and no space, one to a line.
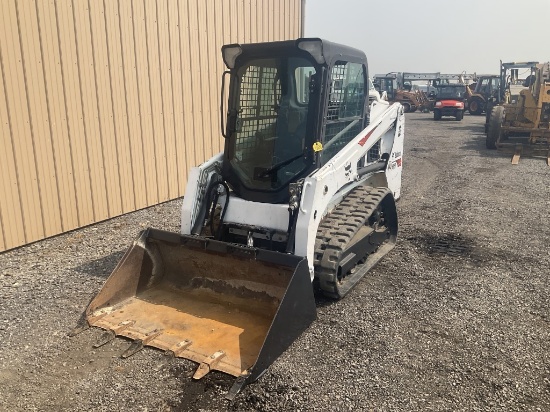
222,216
293,219
374,167
205,206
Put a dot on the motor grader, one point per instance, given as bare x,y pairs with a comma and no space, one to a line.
522,122
302,198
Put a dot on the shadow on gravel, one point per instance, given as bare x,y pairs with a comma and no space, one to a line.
454,124
321,300
101,267
449,244
198,395
471,128
421,119
477,144
431,119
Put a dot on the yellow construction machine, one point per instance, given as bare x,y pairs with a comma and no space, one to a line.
409,97
302,198
521,122
486,86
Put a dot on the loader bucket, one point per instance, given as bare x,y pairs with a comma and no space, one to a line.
228,307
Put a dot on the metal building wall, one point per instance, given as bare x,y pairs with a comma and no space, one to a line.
106,104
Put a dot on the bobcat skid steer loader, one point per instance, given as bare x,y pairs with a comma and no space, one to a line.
303,193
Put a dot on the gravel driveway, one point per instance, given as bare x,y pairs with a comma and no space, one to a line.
456,317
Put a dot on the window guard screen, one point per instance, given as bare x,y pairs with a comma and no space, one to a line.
260,92
345,107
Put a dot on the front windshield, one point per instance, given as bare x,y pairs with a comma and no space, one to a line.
482,85
451,92
268,147
487,85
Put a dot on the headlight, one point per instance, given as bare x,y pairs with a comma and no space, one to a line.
459,104
437,104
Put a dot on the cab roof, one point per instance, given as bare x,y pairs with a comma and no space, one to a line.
323,51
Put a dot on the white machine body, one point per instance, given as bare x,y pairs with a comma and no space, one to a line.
322,190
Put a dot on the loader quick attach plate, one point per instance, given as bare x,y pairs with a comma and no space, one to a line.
227,307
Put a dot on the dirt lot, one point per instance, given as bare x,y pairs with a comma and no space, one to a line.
456,317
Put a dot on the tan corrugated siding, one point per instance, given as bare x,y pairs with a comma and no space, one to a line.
14,71
106,104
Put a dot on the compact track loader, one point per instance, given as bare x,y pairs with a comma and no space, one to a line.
302,197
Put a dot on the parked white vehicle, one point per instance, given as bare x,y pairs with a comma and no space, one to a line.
304,192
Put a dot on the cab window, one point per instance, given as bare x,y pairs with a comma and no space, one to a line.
345,107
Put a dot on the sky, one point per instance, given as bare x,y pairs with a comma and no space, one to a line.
435,35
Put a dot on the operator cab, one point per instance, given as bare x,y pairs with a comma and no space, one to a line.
450,92
514,77
292,106
387,84
487,85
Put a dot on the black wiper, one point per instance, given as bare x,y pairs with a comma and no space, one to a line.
278,166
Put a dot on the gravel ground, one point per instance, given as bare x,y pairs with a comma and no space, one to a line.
456,317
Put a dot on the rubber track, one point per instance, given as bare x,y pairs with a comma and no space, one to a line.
338,228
